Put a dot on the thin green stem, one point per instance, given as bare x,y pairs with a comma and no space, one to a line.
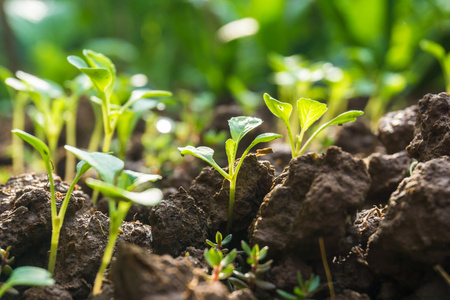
291,138
231,203
71,139
18,123
4,288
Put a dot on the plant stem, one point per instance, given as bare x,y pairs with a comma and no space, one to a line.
57,224
327,268
117,213
52,200
231,203
19,123
4,288
71,139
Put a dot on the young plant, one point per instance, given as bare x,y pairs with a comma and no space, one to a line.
218,245
222,267
254,278
57,217
303,289
239,127
5,261
444,59
50,102
32,276
119,187
102,73
309,111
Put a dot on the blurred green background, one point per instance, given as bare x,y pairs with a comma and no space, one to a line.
198,46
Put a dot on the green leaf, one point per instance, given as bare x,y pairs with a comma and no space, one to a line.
226,272
227,239
210,243
280,109
130,180
204,153
145,94
309,111
246,248
108,166
286,295
37,143
230,149
264,285
46,87
298,291
218,238
16,84
31,276
213,257
240,126
238,283
264,138
433,48
149,197
314,282
77,62
229,258
346,117
263,252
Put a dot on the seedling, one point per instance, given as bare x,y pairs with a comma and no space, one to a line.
253,278
102,73
239,127
309,111
218,245
118,186
444,59
5,261
303,289
222,267
57,217
50,102
32,276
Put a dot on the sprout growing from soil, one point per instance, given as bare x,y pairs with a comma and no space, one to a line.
254,277
220,242
102,73
119,187
222,267
27,275
5,261
303,289
57,217
309,111
444,59
239,127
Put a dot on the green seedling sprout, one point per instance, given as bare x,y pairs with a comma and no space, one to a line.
102,73
443,58
50,102
303,289
253,278
57,217
32,276
218,245
309,111
119,187
222,267
239,127
5,261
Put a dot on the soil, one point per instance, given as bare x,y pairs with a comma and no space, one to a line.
386,232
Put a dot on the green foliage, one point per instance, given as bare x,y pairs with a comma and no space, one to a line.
222,267
303,289
218,245
309,111
32,276
5,261
443,58
119,187
253,279
239,127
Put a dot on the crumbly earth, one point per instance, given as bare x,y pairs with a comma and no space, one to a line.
357,138
414,236
432,128
396,129
318,197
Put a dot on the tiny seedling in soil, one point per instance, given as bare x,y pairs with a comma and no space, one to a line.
303,289
102,73
309,111
254,278
119,187
239,127
5,261
220,242
444,59
32,276
222,267
57,217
